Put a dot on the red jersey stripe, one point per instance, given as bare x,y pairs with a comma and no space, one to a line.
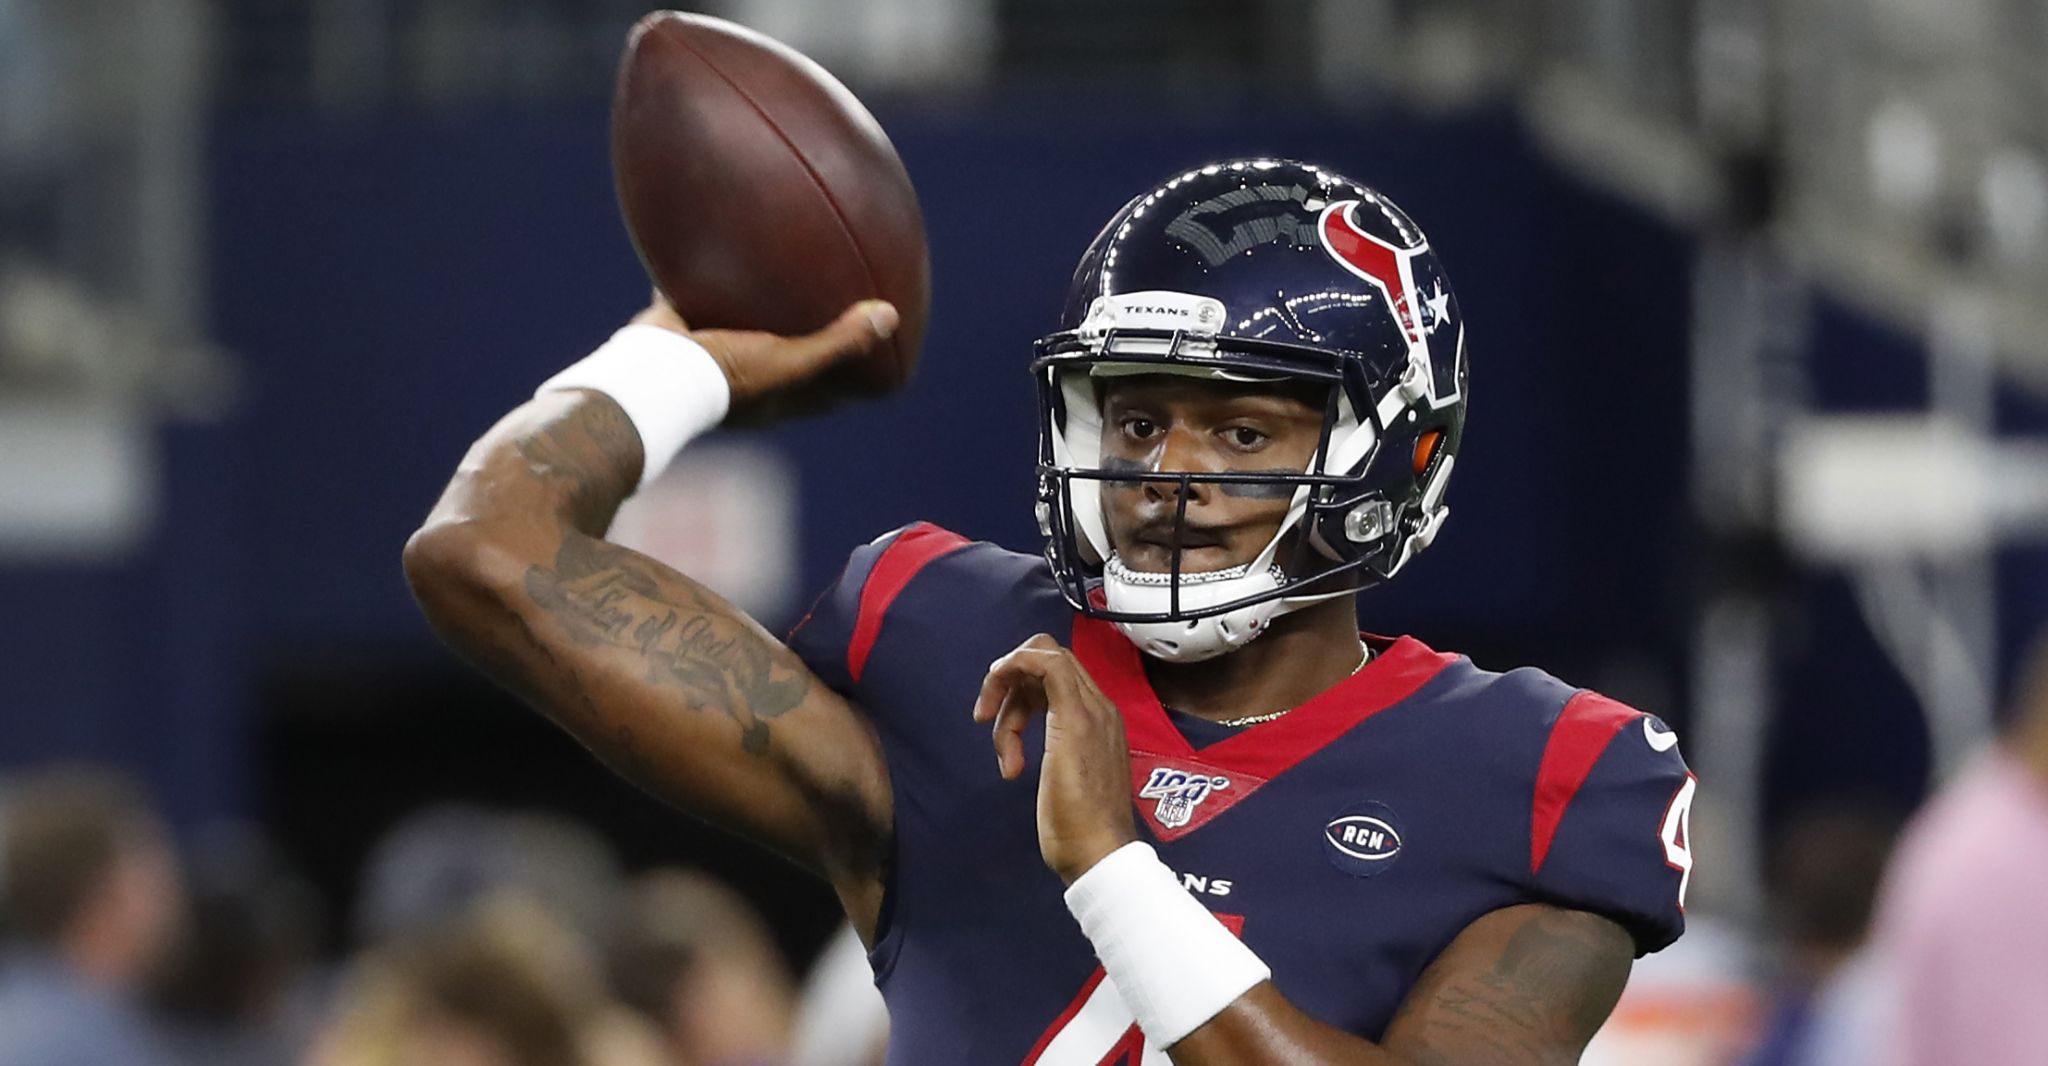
911,551
1066,1016
1398,668
1578,738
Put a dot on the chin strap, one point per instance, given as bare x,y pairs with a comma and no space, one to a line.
1136,592
1140,592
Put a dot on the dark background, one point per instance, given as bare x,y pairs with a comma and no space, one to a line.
394,279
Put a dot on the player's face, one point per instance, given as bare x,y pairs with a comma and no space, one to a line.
1169,424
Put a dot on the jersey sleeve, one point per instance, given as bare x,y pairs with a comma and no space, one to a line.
835,638
1610,828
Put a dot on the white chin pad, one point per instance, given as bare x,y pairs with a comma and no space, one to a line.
1134,592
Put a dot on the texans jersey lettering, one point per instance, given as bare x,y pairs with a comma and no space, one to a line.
1358,834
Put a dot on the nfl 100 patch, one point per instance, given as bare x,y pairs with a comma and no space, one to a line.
1179,792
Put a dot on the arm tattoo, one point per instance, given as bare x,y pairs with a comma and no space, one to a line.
605,595
1549,989
630,657
520,667
592,454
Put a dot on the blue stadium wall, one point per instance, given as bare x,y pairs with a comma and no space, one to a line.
394,282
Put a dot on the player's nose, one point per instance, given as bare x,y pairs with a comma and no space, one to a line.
1182,451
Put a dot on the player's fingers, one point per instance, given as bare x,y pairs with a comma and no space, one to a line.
857,330
660,312
760,364
1056,673
1073,718
990,697
1001,676
1063,684
1031,659
1068,684
1086,691
1008,677
1008,733
1014,690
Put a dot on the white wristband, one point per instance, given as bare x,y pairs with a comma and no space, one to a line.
1175,965
668,385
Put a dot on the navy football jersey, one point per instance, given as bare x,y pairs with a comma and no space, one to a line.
1347,842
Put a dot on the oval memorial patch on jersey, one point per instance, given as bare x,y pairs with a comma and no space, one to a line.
1363,839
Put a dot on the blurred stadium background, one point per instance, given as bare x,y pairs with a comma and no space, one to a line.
1760,439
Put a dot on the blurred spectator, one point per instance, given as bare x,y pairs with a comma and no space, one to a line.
698,962
1693,1004
504,985
1961,940
439,863
1821,887
91,897
32,96
235,991
842,1020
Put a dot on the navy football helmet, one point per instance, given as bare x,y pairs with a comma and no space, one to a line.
1257,270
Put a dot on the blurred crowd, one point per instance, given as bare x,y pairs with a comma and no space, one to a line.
482,937
1889,938
479,938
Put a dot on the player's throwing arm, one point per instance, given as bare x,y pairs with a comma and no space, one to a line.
1523,986
670,685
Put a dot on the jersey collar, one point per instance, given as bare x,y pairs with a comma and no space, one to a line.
1398,668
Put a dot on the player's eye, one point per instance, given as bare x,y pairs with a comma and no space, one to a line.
1245,437
1140,428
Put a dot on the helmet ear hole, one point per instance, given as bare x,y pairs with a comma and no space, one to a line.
1425,449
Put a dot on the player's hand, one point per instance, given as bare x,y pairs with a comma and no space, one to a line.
1084,784
764,368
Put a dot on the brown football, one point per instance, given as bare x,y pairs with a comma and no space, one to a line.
760,194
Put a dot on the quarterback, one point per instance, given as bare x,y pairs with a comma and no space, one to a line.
1149,796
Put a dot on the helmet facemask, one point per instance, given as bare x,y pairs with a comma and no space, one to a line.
1343,529
1255,270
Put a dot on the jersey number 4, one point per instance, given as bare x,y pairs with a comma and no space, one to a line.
1677,835
1097,1029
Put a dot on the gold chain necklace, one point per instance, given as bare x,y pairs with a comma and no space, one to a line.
1365,656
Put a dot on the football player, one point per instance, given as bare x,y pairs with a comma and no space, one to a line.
1222,826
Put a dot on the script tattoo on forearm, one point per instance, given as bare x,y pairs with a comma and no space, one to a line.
1549,990
604,595
592,454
